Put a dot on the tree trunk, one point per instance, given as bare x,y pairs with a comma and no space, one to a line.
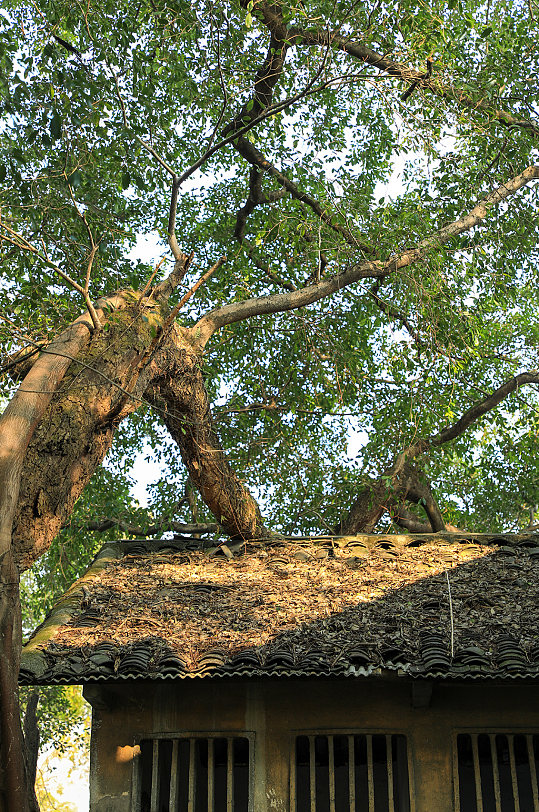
399,484
180,395
17,426
31,746
366,510
103,387
52,440
13,783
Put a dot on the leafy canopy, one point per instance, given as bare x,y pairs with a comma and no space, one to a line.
99,99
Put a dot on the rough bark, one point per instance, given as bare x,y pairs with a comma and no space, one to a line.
31,746
399,484
52,438
17,426
180,395
366,510
13,781
130,363
100,390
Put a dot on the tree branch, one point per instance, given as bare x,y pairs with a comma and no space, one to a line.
394,313
155,529
490,402
282,302
180,395
256,158
266,79
401,482
265,268
163,291
293,35
256,197
408,520
22,243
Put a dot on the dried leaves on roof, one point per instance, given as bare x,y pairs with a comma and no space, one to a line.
312,609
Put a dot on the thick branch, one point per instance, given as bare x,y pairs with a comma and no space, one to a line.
163,291
294,35
153,529
486,405
402,483
421,494
409,521
265,81
256,198
281,302
399,484
180,395
171,230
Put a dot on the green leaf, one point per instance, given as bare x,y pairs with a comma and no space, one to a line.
126,180
75,179
56,127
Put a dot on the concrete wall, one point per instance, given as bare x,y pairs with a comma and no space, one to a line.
276,710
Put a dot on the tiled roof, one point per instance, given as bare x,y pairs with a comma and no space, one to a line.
443,606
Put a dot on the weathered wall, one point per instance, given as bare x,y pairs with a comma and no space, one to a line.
276,710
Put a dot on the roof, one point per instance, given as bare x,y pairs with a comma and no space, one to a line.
437,606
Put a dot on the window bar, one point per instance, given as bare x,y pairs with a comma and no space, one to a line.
137,775
456,774
312,773
533,773
370,773
229,776
331,774
389,762
351,774
154,799
514,782
495,772
192,784
174,776
210,775
293,780
477,773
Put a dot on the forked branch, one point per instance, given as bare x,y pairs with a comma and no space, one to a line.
402,483
294,35
16,239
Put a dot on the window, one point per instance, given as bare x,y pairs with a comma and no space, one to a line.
351,773
498,772
194,774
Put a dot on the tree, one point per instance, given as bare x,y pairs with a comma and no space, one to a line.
303,288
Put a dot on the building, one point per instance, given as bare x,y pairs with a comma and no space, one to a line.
374,673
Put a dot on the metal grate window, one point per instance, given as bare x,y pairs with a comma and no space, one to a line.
193,775
497,772
351,773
